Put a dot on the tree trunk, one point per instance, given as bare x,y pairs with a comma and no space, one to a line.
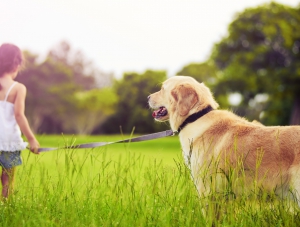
295,115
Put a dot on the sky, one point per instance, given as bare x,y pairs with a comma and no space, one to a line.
124,35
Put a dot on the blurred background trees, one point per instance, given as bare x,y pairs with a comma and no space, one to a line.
260,59
254,70
132,111
63,93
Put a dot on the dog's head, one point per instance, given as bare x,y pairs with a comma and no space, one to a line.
179,97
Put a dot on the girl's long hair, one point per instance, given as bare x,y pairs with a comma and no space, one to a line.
10,58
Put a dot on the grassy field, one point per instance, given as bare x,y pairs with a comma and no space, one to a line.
137,184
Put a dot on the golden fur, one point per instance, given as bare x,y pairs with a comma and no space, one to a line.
221,143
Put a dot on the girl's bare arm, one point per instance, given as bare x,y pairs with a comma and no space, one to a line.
21,119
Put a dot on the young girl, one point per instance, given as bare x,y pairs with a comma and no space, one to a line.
12,118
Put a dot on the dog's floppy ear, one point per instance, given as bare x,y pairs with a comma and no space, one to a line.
185,97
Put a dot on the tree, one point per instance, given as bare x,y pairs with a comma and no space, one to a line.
260,58
132,110
49,93
82,69
91,109
60,91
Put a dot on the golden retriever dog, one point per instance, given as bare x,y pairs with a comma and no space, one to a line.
218,145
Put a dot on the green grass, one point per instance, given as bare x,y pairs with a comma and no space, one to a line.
137,184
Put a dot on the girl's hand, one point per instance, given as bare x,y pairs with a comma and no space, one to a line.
34,146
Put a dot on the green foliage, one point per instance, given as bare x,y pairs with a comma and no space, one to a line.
132,110
261,55
64,98
82,69
61,96
91,108
49,92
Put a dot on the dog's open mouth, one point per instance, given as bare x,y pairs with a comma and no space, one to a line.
161,112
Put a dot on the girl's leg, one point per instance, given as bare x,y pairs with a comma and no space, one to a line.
7,179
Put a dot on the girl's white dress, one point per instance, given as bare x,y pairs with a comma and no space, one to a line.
10,133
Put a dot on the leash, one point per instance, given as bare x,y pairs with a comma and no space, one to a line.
100,144
152,136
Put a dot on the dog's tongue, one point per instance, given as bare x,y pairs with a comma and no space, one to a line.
154,114
159,113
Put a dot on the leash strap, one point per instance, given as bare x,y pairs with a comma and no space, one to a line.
100,144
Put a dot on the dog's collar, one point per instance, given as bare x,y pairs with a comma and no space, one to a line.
194,117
